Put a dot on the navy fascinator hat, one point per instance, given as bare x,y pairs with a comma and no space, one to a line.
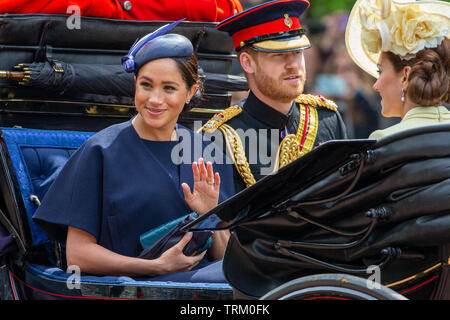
157,45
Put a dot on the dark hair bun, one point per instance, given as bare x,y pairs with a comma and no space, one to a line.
428,82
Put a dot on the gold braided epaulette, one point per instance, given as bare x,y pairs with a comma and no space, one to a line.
220,118
316,101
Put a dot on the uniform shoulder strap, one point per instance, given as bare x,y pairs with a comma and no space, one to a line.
220,118
318,100
232,140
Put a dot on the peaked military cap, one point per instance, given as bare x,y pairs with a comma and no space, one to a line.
269,27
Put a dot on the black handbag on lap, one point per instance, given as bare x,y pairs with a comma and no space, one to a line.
162,238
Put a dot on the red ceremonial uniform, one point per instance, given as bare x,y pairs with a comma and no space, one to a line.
93,8
169,10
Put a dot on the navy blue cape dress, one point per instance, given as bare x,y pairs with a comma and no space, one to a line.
117,186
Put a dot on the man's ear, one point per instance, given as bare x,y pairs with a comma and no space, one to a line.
247,62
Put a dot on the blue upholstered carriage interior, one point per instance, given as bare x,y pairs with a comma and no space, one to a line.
37,157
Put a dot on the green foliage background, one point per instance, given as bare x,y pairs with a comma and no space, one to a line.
319,8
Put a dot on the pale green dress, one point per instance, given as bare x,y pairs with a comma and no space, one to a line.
416,117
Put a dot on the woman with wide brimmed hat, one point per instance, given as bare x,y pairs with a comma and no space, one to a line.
135,176
406,46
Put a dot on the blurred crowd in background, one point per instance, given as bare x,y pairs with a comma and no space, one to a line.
333,74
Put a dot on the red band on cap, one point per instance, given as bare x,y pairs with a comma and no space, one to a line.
248,11
265,28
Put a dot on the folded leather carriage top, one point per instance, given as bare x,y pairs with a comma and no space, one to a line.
89,55
341,208
99,40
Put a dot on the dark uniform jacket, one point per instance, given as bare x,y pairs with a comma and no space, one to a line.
260,128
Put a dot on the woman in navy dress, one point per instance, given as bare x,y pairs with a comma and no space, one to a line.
134,176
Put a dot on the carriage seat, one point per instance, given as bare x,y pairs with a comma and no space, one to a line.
36,157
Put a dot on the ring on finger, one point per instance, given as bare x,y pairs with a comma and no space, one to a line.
210,182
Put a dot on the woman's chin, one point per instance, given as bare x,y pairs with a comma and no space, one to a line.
154,124
390,112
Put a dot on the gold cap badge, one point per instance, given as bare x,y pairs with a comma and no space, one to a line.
287,21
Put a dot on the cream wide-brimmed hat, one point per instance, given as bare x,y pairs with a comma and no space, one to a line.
401,27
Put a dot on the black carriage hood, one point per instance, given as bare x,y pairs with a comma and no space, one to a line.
303,178
342,205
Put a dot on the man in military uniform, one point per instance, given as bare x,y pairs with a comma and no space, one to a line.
276,121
